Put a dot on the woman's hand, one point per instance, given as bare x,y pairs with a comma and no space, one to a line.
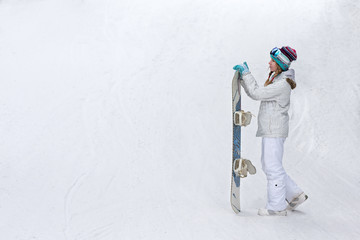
242,68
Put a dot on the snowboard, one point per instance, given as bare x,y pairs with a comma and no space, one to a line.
236,149
240,166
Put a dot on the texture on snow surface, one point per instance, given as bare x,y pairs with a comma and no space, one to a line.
115,118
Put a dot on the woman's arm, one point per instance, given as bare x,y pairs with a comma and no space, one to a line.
268,93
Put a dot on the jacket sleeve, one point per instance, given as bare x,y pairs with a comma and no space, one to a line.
268,93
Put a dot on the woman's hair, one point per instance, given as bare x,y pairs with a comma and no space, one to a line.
291,82
278,72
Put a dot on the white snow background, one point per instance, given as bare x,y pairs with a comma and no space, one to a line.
116,123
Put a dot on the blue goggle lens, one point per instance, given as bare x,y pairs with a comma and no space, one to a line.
275,52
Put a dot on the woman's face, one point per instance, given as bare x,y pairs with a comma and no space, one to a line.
273,65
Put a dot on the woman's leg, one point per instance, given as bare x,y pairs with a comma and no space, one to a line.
280,186
292,189
271,159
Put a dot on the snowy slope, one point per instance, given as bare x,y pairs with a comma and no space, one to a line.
115,118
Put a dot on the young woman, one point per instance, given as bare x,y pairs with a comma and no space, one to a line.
273,126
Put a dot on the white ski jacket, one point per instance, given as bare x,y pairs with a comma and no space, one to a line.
273,117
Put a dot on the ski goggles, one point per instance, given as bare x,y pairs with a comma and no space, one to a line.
275,52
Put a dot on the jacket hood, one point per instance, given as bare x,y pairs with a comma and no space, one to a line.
290,74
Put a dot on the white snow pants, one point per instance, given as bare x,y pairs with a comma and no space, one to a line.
280,186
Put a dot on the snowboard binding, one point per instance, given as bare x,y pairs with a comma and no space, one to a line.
242,118
243,166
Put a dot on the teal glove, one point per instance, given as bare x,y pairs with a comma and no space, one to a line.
242,68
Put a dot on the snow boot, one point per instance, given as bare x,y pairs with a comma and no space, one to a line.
297,201
267,212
